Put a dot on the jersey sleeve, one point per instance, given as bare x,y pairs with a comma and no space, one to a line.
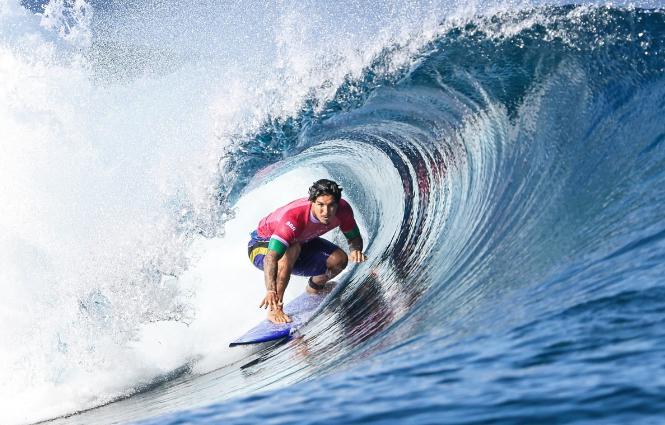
284,234
348,224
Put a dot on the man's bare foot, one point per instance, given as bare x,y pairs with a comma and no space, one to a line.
324,287
313,291
278,316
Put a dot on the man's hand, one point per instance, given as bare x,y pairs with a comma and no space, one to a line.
270,301
357,256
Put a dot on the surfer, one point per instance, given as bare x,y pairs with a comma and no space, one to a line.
288,242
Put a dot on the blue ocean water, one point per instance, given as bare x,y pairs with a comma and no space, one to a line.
510,177
524,281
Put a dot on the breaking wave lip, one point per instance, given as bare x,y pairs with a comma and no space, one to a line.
444,159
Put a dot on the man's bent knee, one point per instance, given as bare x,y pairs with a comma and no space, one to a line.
337,261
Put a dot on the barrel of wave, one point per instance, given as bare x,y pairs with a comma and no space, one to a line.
227,288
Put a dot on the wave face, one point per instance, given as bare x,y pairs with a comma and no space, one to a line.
509,175
512,182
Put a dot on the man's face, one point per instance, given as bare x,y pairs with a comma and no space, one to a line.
324,208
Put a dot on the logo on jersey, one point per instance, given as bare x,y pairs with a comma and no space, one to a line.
291,226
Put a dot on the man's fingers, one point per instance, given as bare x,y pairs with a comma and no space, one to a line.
268,302
358,257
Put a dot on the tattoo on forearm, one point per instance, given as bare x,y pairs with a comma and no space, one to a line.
270,270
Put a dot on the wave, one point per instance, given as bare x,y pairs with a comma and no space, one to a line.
509,175
505,168
511,139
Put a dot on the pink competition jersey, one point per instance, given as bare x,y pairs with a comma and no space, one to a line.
295,223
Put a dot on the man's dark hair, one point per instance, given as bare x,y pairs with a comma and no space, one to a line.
325,187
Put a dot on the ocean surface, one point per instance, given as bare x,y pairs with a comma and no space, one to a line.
505,162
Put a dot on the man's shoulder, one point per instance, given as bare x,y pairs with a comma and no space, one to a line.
297,205
345,206
295,209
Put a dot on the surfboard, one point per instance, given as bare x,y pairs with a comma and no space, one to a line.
300,310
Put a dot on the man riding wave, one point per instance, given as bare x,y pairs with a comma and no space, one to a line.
288,241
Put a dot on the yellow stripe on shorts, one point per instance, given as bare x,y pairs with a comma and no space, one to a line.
263,250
